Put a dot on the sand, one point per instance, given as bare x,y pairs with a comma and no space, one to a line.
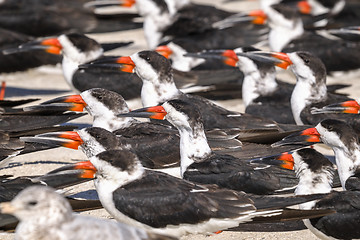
51,78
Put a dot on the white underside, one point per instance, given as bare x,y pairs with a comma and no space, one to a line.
105,195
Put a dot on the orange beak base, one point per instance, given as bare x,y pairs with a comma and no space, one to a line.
127,64
53,44
231,58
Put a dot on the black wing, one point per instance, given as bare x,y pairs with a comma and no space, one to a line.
159,200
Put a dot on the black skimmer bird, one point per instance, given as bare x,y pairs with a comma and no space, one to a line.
263,95
45,214
341,137
158,86
287,35
105,106
120,179
316,176
78,49
310,90
200,164
155,152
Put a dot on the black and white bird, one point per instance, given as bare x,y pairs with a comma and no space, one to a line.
200,164
78,49
172,206
287,35
158,86
310,90
263,95
151,141
315,174
45,214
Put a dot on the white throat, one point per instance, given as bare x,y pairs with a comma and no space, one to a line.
179,61
255,84
283,31
193,147
311,182
72,58
154,93
305,94
154,90
347,163
155,21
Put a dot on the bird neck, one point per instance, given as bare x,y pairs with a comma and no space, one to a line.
312,182
154,25
193,146
69,68
256,84
306,92
281,36
347,161
179,61
154,91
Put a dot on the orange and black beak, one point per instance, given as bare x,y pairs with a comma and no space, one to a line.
308,136
229,57
285,61
304,7
74,102
109,3
87,169
277,58
284,160
124,64
164,50
351,106
259,17
68,139
50,45
157,112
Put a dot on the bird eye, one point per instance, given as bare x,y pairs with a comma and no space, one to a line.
147,59
32,203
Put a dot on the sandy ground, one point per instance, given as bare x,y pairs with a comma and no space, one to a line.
42,162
